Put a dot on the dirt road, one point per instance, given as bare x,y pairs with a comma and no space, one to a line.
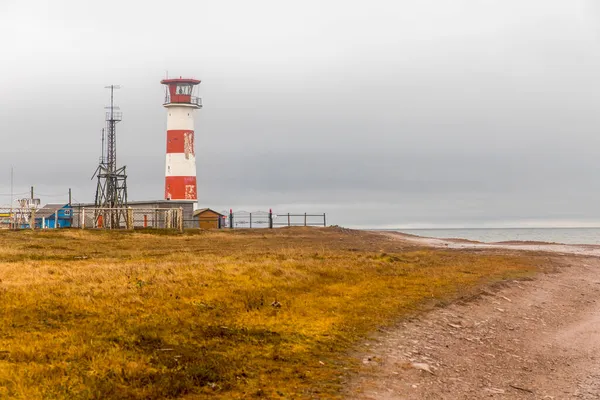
537,339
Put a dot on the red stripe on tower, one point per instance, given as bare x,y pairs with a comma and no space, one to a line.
180,166
180,187
180,141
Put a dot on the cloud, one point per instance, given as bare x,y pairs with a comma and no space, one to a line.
378,113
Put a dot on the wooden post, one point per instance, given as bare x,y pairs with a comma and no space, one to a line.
129,218
250,220
55,220
32,219
180,219
270,218
289,220
304,219
324,220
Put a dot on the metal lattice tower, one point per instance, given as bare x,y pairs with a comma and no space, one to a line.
111,191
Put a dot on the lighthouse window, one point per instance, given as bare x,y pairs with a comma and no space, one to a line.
184,89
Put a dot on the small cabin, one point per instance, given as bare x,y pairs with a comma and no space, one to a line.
54,216
209,219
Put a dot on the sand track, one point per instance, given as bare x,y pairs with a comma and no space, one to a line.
537,339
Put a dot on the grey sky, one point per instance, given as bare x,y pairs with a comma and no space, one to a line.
381,113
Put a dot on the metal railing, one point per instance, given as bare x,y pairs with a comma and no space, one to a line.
16,217
82,217
127,218
197,101
116,116
264,219
301,220
92,218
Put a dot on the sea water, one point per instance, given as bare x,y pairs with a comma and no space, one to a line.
553,235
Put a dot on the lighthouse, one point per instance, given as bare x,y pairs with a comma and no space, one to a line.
180,172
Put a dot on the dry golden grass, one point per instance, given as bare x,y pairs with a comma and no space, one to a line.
123,315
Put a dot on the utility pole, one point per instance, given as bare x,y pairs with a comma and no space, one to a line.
32,212
12,217
70,211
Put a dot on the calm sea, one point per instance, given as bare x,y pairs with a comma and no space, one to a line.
555,235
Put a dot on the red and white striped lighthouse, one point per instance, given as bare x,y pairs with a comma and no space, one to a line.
180,173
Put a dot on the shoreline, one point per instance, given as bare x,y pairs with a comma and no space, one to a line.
544,235
465,244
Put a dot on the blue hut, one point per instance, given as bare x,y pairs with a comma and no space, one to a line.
54,216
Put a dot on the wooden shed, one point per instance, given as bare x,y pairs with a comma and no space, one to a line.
208,219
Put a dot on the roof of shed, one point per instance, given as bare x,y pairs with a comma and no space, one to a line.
49,210
202,210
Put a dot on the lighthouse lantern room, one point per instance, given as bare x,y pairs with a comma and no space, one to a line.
180,173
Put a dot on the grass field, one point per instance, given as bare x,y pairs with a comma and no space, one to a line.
225,315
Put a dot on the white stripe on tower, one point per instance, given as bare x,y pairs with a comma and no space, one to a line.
180,116
179,165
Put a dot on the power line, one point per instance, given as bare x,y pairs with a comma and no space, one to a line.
52,195
14,194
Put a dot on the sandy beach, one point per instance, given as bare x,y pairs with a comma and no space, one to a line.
532,339
452,243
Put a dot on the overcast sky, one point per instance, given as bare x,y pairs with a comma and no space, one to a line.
380,113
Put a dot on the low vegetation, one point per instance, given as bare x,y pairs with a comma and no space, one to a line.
243,314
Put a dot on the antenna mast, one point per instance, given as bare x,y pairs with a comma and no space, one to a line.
102,161
111,191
